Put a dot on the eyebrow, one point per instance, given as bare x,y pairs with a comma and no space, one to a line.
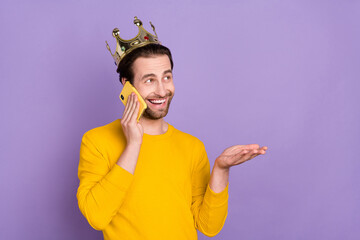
153,75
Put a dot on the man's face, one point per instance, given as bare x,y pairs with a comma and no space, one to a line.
154,81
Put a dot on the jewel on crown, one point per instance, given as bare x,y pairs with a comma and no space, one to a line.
123,46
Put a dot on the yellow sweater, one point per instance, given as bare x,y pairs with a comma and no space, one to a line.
168,197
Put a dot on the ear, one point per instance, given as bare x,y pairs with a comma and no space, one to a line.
123,80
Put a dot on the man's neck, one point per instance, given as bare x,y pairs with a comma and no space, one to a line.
154,127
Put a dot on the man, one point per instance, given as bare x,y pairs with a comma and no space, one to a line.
146,179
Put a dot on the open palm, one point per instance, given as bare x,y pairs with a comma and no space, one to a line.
238,154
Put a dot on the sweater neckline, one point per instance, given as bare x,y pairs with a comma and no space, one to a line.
150,137
168,133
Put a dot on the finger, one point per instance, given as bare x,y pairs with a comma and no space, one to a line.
132,108
251,154
252,146
128,105
136,110
240,155
126,111
126,108
263,150
257,153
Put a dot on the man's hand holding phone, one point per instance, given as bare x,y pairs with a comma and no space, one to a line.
133,132
132,129
124,97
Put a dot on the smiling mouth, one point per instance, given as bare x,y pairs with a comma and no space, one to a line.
157,101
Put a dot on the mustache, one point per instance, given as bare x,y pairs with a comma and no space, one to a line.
168,94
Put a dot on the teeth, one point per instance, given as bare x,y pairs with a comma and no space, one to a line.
157,101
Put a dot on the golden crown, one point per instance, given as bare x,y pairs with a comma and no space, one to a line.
123,47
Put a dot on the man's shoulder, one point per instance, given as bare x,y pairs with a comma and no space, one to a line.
107,131
186,137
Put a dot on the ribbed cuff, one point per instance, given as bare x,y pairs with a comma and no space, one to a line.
120,177
216,199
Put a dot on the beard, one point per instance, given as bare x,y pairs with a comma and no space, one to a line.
158,114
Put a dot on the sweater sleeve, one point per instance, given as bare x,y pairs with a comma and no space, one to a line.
102,187
209,208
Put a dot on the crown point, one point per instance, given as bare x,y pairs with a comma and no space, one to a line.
137,22
115,32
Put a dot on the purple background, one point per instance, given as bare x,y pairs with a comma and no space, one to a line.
284,74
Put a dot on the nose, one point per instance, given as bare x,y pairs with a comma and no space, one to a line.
160,89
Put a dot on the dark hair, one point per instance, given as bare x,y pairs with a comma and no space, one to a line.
125,66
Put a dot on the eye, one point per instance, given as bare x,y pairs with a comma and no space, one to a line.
167,77
148,80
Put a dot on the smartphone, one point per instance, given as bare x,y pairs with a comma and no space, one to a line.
125,93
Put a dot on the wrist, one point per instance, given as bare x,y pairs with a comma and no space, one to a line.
220,167
219,178
133,146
